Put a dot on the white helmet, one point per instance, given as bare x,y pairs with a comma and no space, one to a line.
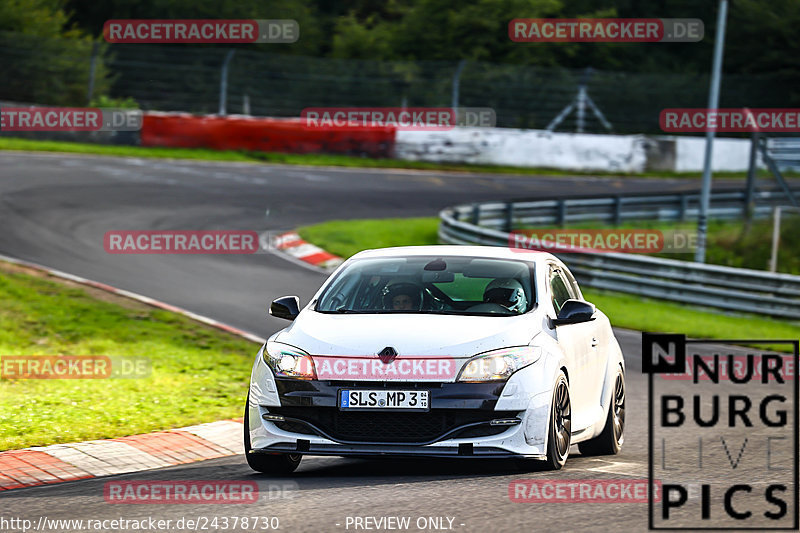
507,292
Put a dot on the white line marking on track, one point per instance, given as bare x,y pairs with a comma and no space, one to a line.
619,467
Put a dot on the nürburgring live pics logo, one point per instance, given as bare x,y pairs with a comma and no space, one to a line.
723,433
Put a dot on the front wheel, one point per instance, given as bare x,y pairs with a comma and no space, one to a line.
609,442
559,435
275,464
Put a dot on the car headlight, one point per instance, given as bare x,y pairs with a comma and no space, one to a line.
288,361
498,365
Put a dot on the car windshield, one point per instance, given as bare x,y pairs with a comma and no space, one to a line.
428,284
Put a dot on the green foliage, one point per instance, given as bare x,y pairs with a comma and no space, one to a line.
92,15
116,103
43,18
761,35
405,51
734,243
45,60
737,245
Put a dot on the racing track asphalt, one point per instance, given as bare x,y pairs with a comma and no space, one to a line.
55,209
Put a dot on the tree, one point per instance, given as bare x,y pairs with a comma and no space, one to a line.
45,60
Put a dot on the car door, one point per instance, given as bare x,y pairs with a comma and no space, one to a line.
576,341
598,332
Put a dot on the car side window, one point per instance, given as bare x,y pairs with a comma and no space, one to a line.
558,289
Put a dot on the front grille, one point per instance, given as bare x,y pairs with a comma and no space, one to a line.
385,426
295,427
390,427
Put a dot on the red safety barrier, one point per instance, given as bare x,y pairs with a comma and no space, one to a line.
263,135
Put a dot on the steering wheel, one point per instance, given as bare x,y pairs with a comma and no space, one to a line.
439,297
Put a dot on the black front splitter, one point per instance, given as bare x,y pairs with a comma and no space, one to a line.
390,451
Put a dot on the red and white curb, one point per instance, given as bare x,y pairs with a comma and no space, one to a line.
42,465
291,244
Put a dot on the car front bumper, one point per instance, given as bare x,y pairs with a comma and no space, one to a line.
499,419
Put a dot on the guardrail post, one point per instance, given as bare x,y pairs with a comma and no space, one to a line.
509,217
561,216
617,210
223,83
773,167
751,177
476,214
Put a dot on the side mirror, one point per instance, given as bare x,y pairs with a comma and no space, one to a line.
287,307
574,312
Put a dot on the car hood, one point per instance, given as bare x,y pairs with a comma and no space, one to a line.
427,335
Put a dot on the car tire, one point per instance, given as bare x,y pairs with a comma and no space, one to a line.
559,434
275,464
609,442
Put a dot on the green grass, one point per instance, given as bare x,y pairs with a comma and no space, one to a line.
8,143
345,238
644,314
199,374
730,242
736,244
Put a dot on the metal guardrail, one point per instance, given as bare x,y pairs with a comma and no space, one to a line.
721,287
785,151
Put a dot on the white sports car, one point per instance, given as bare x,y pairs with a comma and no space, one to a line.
438,351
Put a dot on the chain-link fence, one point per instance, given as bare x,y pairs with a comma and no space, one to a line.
50,71
189,78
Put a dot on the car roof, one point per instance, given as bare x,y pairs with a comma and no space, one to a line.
495,252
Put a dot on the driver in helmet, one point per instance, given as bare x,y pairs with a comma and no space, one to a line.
403,297
507,292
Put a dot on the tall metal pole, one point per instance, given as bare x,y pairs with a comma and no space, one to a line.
750,186
713,104
223,83
581,114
